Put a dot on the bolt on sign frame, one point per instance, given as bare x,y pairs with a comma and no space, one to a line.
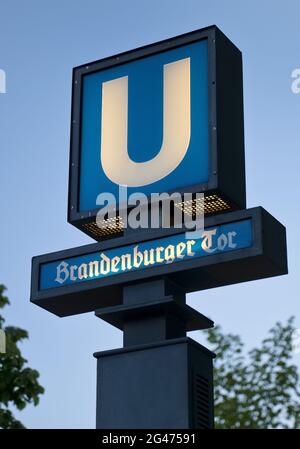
214,161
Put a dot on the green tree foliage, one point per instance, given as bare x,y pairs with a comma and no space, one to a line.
18,383
258,389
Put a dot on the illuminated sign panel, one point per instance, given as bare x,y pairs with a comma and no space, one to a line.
163,118
235,247
167,250
144,125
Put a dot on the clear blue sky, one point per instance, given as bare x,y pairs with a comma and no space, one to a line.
40,42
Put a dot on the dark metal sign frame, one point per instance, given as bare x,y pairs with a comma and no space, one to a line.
225,120
266,257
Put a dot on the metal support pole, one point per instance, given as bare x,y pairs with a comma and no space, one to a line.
160,378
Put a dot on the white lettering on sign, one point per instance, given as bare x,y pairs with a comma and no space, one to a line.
136,258
115,160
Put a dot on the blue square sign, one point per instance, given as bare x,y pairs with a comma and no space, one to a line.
145,125
163,118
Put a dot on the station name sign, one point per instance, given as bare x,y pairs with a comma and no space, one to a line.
167,250
234,247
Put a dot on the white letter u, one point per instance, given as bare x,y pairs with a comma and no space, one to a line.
115,160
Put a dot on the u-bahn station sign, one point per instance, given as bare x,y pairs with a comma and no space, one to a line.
163,118
234,247
148,124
